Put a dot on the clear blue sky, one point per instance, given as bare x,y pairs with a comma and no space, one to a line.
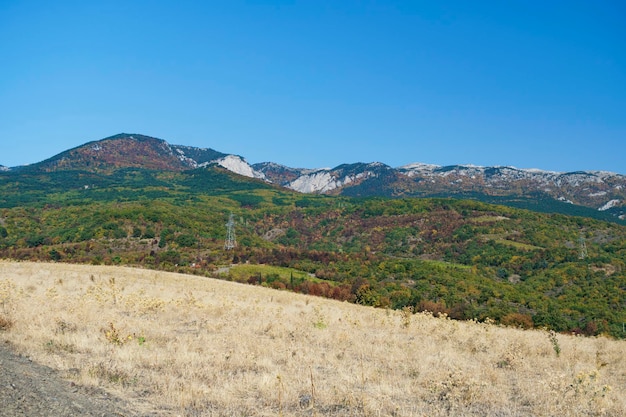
532,84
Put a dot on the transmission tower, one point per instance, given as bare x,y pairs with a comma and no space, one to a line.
231,242
583,247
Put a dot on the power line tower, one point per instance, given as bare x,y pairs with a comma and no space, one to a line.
583,247
231,242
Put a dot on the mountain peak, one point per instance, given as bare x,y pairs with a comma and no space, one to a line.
131,136
119,151
131,150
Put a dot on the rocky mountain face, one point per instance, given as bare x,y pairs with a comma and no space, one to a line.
338,180
599,190
602,191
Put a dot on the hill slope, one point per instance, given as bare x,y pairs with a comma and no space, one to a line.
176,344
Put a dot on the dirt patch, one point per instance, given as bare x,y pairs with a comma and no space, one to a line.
608,269
30,389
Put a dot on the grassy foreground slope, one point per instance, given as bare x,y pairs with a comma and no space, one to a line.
176,344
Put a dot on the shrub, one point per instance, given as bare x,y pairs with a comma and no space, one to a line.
518,320
435,307
54,255
5,322
185,240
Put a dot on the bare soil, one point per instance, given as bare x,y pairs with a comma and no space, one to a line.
30,389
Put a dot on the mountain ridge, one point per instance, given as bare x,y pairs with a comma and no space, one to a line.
599,190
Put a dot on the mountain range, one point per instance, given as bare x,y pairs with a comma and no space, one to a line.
591,193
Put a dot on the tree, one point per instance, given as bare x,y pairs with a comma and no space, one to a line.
186,240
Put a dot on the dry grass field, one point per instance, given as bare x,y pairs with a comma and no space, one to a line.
188,346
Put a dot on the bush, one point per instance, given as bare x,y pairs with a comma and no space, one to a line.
186,240
247,200
518,320
34,241
170,256
54,255
5,322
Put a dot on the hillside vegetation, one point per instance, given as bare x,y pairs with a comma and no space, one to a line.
175,344
465,259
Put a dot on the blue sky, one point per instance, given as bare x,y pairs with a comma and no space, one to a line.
532,84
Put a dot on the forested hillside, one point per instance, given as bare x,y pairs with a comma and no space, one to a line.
463,258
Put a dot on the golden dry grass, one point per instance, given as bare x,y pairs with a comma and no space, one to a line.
183,345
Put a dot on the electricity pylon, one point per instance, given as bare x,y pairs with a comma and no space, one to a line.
231,242
583,247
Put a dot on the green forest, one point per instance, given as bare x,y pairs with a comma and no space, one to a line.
461,258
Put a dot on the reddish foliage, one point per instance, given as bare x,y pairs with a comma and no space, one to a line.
518,320
435,307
